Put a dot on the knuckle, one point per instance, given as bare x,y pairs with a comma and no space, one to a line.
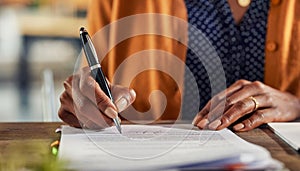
86,85
248,123
61,113
240,105
258,85
63,98
79,103
102,101
228,102
85,69
90,82
202,113
269,99
75,78
242,82
205,111
259,115
82,71
69,78
225,119
80,108
216,98
251,121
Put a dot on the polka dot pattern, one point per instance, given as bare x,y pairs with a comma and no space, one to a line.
239,47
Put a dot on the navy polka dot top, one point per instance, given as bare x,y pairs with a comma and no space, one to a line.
239,47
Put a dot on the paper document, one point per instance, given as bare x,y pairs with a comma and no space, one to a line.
289,132
159,147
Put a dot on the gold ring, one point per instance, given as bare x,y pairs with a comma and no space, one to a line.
255,102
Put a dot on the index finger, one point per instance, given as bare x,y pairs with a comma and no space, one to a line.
91,89
218,100
84,108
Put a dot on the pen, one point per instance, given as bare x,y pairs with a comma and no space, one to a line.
96,71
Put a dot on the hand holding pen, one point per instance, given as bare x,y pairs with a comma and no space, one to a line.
85,103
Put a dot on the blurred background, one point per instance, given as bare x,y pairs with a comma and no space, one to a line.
39,44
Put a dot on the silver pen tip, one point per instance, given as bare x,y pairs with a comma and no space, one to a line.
118,125
119,129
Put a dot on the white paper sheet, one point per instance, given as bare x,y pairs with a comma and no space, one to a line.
289,132
159,147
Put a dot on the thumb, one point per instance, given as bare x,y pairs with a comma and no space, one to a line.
123,97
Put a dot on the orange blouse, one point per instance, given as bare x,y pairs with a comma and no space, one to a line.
282,67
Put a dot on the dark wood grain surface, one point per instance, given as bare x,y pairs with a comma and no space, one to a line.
45,132
278,148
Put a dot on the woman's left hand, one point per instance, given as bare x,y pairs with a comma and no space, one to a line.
247,105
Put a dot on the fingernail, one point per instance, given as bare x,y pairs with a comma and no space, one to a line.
202,123
119,120
239,126
121,104
110,112
193,122
214,125
195,119
132,93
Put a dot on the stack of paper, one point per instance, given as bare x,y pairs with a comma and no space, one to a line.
160,147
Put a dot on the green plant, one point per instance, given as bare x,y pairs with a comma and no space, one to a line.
26,155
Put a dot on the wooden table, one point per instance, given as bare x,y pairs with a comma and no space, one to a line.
19,132
278,148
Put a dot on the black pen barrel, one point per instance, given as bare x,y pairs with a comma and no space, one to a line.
98,75
89,49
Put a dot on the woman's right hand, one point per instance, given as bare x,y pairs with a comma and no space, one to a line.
84,104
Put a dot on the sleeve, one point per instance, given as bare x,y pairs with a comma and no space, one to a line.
99,12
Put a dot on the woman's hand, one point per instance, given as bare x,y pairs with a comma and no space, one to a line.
247,105
84,104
